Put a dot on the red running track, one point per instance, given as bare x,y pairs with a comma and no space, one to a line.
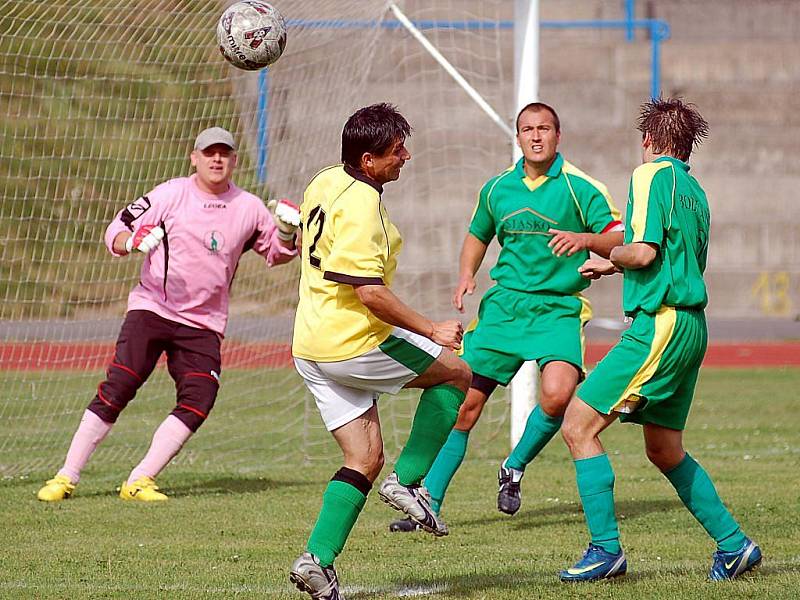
86,356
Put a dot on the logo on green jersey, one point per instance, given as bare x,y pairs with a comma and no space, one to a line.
527,221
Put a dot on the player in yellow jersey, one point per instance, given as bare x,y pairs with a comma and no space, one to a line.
354,339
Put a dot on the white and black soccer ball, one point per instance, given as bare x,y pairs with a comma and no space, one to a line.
251,34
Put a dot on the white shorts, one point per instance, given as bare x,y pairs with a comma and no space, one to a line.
346,389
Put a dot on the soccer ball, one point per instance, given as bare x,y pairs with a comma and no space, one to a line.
251,34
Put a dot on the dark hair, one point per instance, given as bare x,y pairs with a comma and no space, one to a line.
675,126
536,107
372,129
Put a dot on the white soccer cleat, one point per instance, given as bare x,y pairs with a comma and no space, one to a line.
321,583
414,501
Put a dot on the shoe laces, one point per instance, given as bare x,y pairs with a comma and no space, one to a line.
508,474
330,575
720,556
507,482
418,492
590,549
146,483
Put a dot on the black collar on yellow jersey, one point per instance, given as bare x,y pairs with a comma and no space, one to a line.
363,178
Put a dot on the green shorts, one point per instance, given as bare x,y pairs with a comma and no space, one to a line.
513,327
650,375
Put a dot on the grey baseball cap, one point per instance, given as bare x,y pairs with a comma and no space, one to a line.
214,135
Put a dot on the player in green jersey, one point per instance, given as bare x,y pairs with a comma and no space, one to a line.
547,215
649,376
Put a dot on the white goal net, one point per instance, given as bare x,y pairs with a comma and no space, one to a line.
100,101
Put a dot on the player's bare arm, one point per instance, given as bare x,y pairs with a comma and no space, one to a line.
383,303
570,242
595,268
472,252
637,255
120,242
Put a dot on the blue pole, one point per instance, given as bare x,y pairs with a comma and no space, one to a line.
262,117
630,11
659,31
655,77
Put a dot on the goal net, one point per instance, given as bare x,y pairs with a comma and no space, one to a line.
101,100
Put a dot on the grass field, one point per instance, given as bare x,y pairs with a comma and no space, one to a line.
234,535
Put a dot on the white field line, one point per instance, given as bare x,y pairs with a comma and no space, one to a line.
406,591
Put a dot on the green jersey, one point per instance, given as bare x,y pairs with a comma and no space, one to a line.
668,208
521,211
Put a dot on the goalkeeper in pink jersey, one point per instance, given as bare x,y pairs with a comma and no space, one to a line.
192,232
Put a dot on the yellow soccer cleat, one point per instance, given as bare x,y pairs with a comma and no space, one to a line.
143,489
55,489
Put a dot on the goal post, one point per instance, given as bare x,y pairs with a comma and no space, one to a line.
523,390
524,386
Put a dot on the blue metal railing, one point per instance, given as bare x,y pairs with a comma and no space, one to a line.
263,130
630,15
659,31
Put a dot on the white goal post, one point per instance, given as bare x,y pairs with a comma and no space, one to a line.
524,386
523,389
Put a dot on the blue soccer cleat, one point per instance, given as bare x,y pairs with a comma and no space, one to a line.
595,565
729,565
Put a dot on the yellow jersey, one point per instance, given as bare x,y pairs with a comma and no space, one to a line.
347,240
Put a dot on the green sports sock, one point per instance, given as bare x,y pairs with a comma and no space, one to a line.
539,429
697,492
596,489
341,504
436,414
445,466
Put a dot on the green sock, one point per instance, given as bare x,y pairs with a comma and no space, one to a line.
445,466
697,492
596,489
341,505
539,429
436,414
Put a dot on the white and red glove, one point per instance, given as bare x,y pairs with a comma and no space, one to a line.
287,217
145,239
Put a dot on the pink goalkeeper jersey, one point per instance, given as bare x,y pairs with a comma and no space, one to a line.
187,278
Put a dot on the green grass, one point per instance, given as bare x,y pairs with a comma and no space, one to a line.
234,534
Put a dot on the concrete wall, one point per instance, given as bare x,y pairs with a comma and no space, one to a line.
737,60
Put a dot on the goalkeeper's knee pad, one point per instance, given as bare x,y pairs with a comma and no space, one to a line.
115,392
197,393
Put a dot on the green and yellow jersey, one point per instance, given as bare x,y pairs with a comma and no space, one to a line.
668,208
520,212
347,240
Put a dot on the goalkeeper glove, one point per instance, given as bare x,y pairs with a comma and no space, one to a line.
287,218
145,238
